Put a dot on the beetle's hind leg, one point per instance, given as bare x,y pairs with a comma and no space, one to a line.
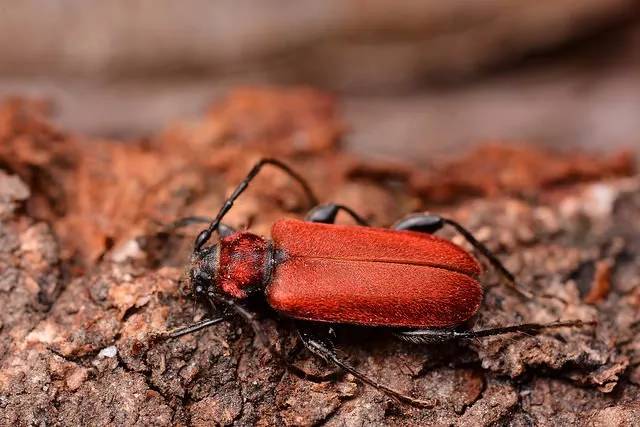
327,213
323,348
428,336
430,223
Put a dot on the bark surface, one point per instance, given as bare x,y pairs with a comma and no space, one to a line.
89,273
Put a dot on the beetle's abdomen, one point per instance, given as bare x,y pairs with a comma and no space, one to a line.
369,276
243,264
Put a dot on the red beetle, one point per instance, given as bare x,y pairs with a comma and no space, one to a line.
419,286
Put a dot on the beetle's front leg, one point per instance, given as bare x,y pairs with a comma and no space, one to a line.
323,348
202,324
327,213
195,327
428,336
264,340
430,223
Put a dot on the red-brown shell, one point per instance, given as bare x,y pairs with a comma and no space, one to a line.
372,276
243,263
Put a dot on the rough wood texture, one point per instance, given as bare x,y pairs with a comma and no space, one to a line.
88,274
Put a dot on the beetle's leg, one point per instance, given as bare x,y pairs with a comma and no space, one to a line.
327,213
189,329
205,234
423,223
262,337
250,318
429,223
317,378
321,347
197,326
426,336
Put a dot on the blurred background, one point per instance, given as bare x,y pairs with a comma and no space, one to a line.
414,78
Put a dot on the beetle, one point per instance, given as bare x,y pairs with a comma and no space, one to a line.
405,280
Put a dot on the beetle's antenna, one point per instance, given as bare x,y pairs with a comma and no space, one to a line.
186,221
495,262
205,234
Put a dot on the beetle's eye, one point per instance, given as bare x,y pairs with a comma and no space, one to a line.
203,277
199,289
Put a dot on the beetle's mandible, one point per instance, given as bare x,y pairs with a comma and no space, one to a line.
405,280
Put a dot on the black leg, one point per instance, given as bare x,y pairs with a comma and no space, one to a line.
262,337
189,329
205,234
323,348
426,223
301,373
250,318
197,326
426,336
327,213
423,223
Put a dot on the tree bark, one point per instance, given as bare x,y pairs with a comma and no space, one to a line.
89,274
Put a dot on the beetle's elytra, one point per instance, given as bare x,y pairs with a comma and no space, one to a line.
405,280
372,276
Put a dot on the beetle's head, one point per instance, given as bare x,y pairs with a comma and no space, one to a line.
202,273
